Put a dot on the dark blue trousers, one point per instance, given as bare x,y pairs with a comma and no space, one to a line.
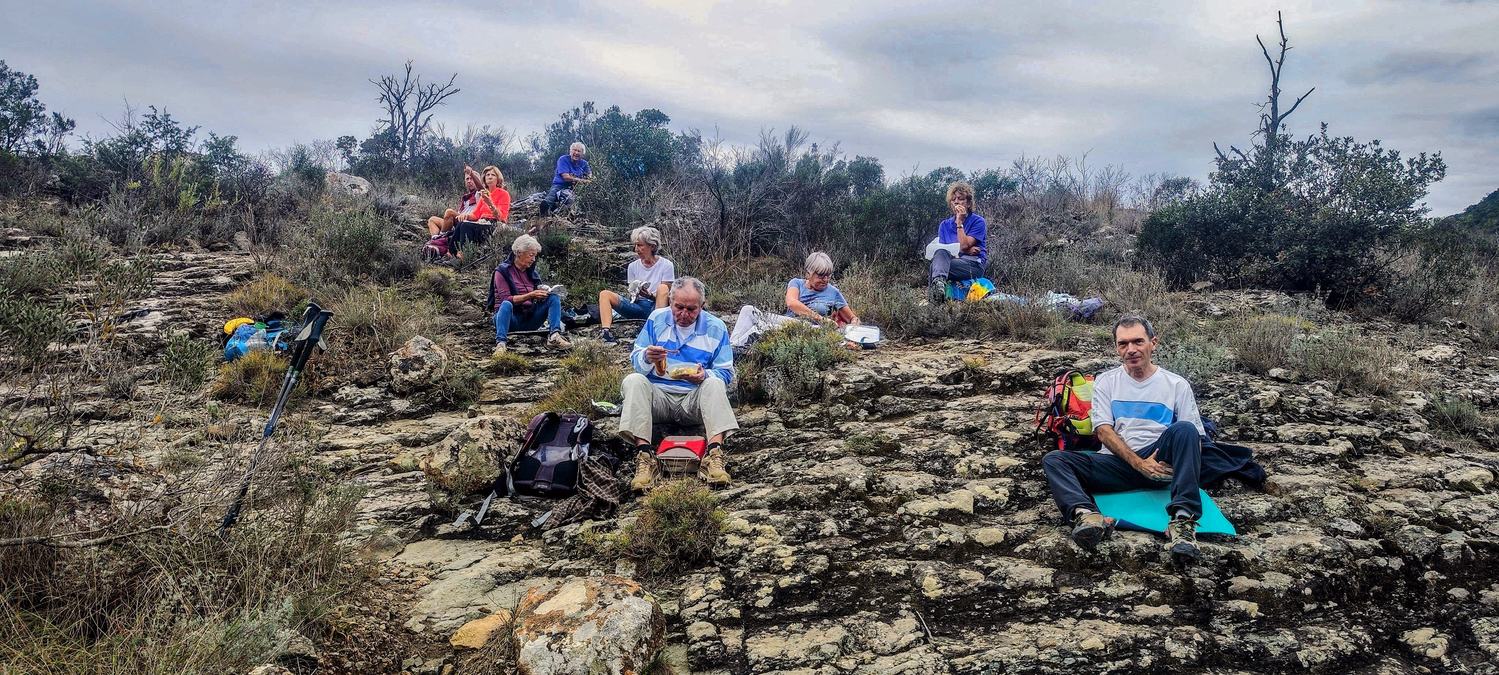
1073,475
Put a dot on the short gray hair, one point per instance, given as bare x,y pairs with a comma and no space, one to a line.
818,263
579,145
1134,320
692,283
647,235
525,243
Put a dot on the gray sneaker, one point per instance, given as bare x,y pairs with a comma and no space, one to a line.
936,290
1091,528
1181,542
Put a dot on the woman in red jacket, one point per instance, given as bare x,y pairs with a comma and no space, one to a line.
494,201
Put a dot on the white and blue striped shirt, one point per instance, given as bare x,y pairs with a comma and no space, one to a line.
707,345
1141,411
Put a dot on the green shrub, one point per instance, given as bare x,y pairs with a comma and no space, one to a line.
1354,362
185,361
31,274
344,246
254,378
437,282
1194,358
27,327
460,385
508,363
1262,342
584,270
1318,213
268,293
675,530
874,443
788,363
1455,417
368,323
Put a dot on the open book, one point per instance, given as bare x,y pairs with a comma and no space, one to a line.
932,248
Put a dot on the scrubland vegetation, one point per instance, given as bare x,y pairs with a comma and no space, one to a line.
91,586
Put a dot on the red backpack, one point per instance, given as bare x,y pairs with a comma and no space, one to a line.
1066,414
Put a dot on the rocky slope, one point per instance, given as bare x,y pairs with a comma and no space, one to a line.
900,524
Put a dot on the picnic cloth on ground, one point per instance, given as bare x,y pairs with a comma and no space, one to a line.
599,495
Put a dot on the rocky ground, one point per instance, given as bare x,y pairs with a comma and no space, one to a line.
902,525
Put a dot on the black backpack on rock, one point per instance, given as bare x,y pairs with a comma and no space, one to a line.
550,460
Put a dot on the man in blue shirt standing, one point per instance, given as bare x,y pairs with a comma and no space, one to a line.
572,170
970,232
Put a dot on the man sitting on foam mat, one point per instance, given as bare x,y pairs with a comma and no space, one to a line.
1146,417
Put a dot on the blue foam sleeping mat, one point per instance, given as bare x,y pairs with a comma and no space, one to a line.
1145,511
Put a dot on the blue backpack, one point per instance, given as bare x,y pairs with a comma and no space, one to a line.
254,337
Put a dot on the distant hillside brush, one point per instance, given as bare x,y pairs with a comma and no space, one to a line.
1323,212
27,327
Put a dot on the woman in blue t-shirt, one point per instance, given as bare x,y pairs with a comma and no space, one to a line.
970,232
814,297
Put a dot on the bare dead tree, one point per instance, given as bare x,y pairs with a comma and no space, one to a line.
408,107
1272,120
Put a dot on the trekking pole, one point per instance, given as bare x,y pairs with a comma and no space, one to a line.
308,338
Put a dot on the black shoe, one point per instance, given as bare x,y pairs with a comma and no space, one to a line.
608,337
937,290
1181,542
1091,528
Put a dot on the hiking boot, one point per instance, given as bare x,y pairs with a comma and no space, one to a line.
646,471
556,341
608,337
499,350
1181,542
711,470
1090,528
936,291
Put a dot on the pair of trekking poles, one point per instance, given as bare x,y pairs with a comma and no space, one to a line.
309,337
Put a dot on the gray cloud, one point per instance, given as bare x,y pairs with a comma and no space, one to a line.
1425,66
1146,85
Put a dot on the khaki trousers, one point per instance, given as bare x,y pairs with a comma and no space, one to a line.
645,403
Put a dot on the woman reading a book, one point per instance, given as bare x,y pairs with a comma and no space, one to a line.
966,231
519,300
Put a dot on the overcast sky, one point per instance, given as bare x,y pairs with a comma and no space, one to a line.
1146,85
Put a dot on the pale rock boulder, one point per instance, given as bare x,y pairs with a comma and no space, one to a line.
602,624
471,456
346,185
417,365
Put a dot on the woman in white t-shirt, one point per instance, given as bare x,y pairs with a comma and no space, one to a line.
649,280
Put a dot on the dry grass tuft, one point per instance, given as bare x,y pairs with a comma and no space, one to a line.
254,378
269,293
